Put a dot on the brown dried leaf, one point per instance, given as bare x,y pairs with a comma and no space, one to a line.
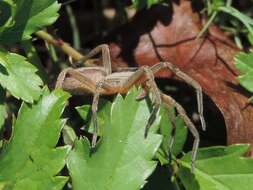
155,35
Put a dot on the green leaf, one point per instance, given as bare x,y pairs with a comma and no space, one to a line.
84,111
27,17
244,63
19,77
103,112
69,135
216,4
33,58
123,158
30,160
218,168
247,21
166,128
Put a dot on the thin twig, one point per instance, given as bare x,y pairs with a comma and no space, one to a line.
65,47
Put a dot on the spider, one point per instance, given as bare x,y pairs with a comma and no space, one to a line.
100,80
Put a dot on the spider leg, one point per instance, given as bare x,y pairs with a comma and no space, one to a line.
84,81
169,101
172,135
99,86
106,59
157,101
94,113
94,88
189,81
61,78
153,88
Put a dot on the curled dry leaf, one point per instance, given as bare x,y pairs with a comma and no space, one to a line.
169,34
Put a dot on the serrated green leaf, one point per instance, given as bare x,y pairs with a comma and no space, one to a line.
19,76
244,63
30,160
28,16
220,168
123,158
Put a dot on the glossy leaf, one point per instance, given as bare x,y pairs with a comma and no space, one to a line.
30,160
19,76
123,158
27,17
218,168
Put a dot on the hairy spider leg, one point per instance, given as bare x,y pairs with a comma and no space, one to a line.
94,113
106,59
137,75
162,65
102,85
157,101
168,102
95,88
172,133
84,81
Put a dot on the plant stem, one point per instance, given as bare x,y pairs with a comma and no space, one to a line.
209,22
65,47
74,27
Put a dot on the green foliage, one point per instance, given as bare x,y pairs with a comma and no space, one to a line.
85,113
247,21
30,158
19,77
214,7
167,116
123,157
165,128
244,63
218,168
18,20
26,17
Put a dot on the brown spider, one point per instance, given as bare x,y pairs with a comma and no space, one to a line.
101,80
